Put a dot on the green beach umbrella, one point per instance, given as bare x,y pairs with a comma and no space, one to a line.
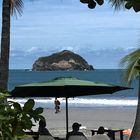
65,87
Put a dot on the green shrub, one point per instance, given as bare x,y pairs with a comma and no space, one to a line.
15,120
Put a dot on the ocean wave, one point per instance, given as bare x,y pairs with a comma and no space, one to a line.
80,102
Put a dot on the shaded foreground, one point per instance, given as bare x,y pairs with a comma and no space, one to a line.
90,119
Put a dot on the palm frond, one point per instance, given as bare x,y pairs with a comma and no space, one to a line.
129,63
131,72
16,7
131,57
117,4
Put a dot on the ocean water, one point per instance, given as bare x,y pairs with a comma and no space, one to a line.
125,99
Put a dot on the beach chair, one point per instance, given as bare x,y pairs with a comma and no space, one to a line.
100,137
46,137
77,137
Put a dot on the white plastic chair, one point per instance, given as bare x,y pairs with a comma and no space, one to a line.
77,137
100,137
45,137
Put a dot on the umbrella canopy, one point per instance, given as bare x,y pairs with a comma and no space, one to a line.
65,87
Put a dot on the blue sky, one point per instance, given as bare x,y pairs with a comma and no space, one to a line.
101,35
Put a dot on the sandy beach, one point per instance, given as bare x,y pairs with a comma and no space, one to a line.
89,118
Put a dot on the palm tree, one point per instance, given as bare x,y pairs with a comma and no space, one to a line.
131,63
9,7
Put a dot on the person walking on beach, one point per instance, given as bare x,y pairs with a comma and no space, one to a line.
75,131
57,105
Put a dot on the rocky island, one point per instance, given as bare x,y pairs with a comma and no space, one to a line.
64,60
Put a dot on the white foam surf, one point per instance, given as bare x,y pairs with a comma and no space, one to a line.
81,102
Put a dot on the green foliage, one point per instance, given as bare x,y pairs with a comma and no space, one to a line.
128,5
91,3
14,119
28,105
100,2
135,4
85,1
118,4
3,94
131,63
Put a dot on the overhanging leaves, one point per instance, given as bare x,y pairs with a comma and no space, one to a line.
29,105
91,3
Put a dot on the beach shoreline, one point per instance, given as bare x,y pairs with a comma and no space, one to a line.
90,118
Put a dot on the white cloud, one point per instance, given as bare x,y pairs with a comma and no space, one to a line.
54,25
105,58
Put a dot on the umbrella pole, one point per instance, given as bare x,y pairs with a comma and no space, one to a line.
67,116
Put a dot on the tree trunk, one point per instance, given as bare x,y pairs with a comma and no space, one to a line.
5,45
136,129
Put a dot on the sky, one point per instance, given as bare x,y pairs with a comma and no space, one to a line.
102,36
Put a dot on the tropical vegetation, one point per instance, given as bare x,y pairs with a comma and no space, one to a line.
131,63
128,4
15,120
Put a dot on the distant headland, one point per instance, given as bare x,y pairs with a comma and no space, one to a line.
64,60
